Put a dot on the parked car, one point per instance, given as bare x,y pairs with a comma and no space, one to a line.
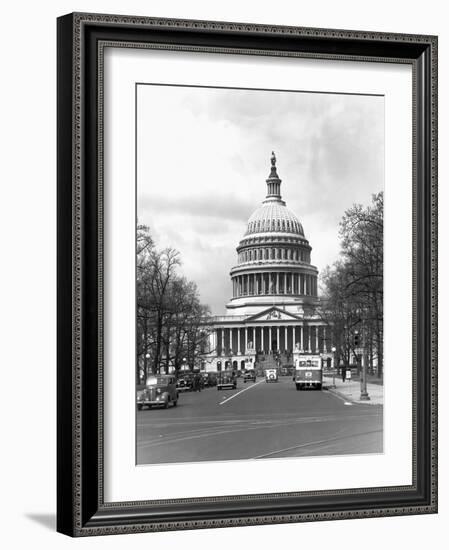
183,384
249,376
226,379
160,390
271,375
211,378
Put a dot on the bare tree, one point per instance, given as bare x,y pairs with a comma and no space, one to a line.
353,287
170,317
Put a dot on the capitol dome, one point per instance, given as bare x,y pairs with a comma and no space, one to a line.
274,217
273,256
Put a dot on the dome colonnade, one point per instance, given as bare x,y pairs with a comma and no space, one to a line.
274,303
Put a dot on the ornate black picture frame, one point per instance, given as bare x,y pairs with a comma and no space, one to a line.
81,510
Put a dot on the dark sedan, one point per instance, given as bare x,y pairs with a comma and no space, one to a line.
249,376
226,380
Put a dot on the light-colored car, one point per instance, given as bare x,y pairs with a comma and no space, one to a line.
271,375
159,391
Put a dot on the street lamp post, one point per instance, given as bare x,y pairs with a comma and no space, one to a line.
363,390
334,349
147,357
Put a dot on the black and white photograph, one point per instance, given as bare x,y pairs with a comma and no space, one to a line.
259,273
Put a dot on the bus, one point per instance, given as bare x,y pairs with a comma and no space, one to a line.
308,372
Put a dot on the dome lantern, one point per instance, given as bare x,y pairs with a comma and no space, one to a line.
273,181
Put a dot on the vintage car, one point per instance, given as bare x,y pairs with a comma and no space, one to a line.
226,379
184,383
210,379
271,375
159,391
249,376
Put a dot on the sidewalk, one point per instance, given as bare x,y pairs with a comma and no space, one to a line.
350,390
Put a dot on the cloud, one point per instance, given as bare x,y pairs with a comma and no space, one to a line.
219,207
203,157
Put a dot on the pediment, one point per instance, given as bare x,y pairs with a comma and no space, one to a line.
273,314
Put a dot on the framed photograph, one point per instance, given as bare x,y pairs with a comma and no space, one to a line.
247,274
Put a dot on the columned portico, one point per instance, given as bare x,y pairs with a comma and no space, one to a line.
273,308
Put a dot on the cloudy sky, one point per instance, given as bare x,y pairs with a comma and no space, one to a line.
203,156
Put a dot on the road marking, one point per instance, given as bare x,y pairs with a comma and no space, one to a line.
348,403
240,392
319,442
220,430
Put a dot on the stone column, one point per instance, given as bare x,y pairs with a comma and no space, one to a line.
278,338
270,341
261,340
317,338
277,283
238,341
309,343
222,342
285,284
301,336
286,337
246,341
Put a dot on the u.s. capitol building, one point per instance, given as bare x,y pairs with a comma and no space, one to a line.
273,312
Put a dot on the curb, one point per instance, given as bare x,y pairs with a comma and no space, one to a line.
349,399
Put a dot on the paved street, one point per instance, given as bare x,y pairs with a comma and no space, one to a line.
257,420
